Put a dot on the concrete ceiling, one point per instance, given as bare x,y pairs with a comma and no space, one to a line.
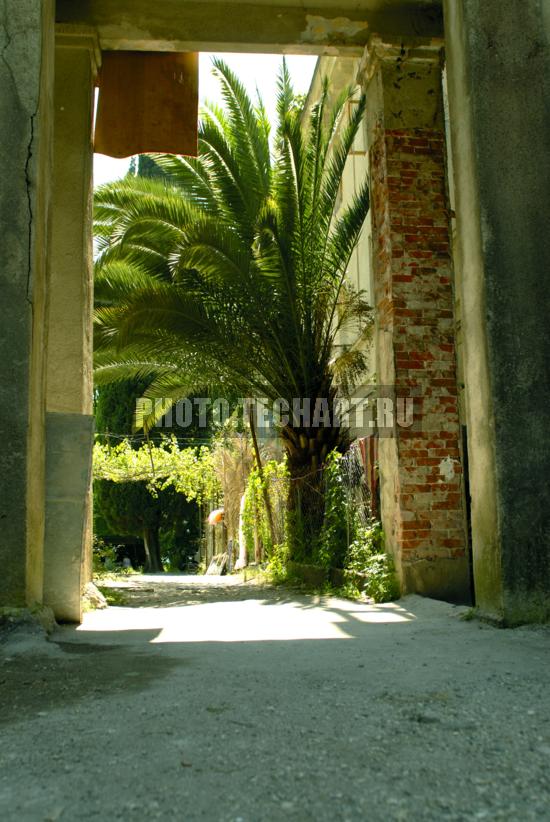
320,27
342,5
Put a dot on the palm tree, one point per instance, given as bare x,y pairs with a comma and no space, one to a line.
231,270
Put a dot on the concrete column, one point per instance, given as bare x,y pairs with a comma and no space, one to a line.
26,90
422,497
69,359
498,65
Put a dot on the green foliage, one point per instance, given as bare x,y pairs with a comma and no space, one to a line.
121,508
253,502
114,596
299,539
381,584
146,167
368,541
130,497
255,516
104,557
277,569
114,407
231,270
345,542
125,508
189,471
366,556
335,533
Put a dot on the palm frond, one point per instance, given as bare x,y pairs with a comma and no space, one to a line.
250,136
231,268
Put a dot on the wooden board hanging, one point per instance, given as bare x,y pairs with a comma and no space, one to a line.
148,101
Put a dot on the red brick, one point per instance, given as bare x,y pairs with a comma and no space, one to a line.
415,306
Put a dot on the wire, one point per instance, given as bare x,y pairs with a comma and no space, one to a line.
142,438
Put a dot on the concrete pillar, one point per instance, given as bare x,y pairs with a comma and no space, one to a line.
26,90
420,467
69,419
498,65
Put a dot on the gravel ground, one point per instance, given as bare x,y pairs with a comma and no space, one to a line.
210,699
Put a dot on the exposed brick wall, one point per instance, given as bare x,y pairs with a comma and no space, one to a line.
415,341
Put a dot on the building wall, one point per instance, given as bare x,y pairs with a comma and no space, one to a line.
26,123
403,263
498,57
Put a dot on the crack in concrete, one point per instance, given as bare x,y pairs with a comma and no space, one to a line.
28,186
29,152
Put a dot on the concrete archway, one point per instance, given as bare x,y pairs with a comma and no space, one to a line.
495,123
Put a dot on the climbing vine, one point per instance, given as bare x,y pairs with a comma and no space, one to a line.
190,471
338,518
255,523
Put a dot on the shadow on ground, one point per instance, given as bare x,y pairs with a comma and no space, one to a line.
263,704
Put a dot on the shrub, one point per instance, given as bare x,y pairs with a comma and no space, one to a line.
278,564
382,584
368,541
104,556
366,556
335,534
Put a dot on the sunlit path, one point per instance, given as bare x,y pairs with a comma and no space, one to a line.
220,700
223,609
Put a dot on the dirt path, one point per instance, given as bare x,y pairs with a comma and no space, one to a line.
217,700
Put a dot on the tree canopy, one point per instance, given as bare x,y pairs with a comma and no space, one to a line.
231,269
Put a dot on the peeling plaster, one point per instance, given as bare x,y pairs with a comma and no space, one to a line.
333,29
447,468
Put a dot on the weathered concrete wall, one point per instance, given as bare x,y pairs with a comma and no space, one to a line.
421,472
69,439
319,27
26,85
67,549
498,56
69,366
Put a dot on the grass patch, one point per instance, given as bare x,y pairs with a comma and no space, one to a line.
114,596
